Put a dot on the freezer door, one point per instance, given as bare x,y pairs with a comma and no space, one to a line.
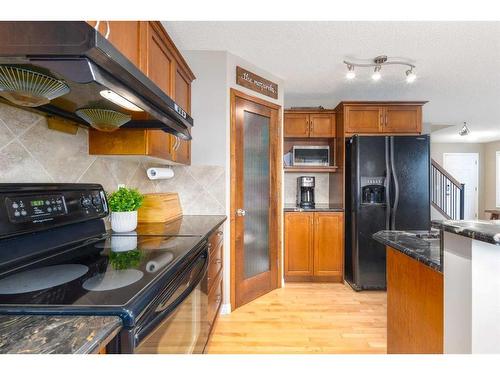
364,257
411,166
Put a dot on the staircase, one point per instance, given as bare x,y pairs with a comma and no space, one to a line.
447,194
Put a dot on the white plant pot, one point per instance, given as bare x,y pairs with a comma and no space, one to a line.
123,221
124,243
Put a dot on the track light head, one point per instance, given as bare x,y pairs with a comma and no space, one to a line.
410,76
465,130
350,73
376,73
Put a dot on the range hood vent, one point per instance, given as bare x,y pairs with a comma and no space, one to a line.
70,70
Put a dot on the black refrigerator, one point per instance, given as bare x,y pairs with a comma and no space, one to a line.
387,186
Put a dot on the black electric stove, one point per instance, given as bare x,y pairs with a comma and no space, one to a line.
62,261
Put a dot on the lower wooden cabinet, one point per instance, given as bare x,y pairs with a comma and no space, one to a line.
415,306
314,246
214,278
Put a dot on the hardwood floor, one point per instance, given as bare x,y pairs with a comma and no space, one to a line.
305,318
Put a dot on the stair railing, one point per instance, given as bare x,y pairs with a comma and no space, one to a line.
447,194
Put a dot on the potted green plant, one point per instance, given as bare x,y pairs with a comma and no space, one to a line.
123,204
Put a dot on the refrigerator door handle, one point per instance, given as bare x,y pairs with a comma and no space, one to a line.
387,184
396,186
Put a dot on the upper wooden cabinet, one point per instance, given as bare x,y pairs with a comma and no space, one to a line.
124,35
320,124
381,117
314,246
147,44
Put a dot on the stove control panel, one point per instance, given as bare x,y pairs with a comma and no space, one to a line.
21,209
26,208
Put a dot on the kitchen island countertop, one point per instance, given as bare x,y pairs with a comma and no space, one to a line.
425,250
481,230
40,334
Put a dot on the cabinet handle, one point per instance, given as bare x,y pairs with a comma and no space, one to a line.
108,30
386,121
209,246
219,233
381,119
218,261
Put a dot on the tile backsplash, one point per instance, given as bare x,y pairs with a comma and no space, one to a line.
321,190
30,152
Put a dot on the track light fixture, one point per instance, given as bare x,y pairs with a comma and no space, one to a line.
377,64
376,73
465,130
350,73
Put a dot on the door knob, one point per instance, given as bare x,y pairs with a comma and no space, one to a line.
240,212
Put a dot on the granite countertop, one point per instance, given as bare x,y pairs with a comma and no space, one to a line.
320,207
481,230
39,334
425,250
187,225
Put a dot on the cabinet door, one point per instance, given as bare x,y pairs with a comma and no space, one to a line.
299,243
328,244
322,125
403,119
363,119
296,125
160,68
124,35
182,96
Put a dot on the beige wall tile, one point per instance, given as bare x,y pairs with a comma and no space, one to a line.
38,154
17,165
64,156
17,120
5,134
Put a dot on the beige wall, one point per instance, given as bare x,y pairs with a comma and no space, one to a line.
30,152
490,150
437,151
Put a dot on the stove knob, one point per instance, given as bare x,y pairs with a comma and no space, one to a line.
86,202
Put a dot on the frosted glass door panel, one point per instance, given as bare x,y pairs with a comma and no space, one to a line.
256,194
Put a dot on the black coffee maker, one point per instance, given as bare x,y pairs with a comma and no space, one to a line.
305,192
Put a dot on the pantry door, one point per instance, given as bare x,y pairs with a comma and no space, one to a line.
255,197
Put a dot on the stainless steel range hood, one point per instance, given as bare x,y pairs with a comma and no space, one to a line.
90,74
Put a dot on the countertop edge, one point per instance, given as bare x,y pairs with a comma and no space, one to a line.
408,252
475,234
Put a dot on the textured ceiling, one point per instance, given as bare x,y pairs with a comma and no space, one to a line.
458,64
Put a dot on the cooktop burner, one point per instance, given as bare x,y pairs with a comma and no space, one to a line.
112,280
107,272
41,278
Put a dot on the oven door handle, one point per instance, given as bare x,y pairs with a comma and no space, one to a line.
172,300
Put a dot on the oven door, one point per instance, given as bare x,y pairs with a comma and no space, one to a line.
178,324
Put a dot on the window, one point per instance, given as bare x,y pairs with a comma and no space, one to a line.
498,178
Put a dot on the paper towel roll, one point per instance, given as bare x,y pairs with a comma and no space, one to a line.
159,262
160,173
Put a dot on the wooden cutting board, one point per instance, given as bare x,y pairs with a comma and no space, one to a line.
160,208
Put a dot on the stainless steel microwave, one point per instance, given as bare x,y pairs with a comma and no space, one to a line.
313,156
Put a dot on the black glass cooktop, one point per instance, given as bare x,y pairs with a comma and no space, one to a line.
107,272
